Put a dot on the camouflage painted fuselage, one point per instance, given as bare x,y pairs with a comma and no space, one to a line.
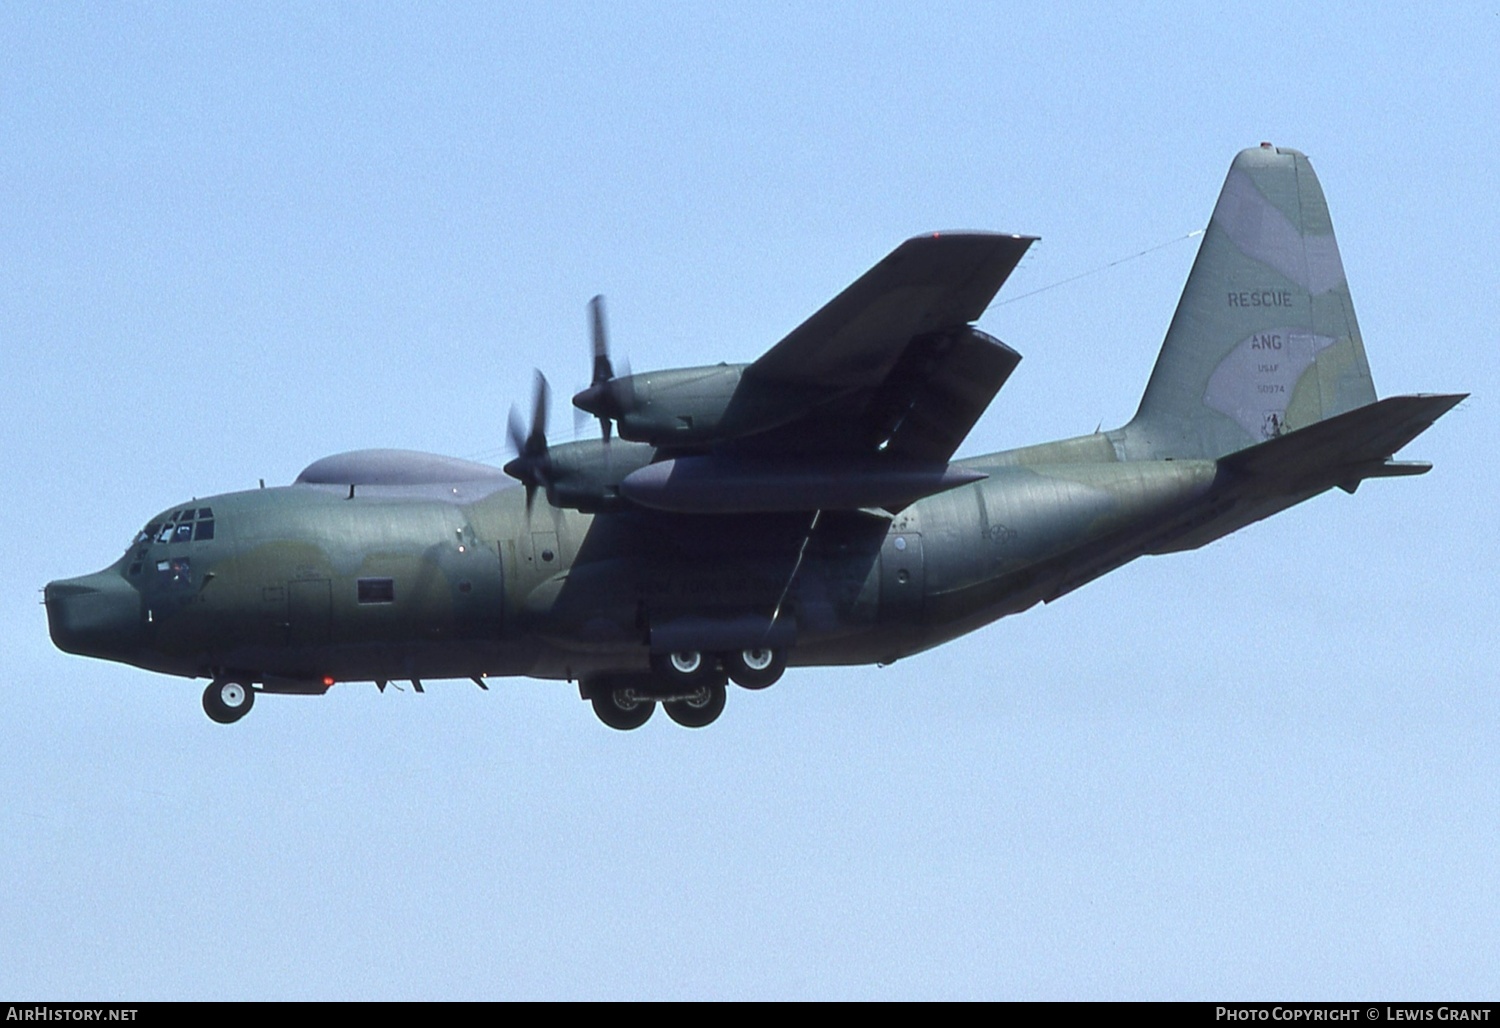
306,583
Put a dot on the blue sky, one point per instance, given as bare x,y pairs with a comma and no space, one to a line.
237,238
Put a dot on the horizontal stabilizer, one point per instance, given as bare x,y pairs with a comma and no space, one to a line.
1345,448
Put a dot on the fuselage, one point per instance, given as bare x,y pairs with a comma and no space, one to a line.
319,582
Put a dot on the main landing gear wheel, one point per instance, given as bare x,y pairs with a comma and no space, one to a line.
700,709
227,700
756,667
621,708
681,668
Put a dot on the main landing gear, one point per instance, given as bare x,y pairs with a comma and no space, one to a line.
755,668
700,708
621,706
226,700
689,684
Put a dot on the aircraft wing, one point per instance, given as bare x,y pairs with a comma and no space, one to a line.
860,406
928,284
893,362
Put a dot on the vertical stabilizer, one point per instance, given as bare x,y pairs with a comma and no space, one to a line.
1264,341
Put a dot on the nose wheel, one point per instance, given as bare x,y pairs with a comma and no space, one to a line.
226,700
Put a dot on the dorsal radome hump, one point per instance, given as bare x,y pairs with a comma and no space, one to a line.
1264,340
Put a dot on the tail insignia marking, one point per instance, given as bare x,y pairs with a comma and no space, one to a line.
1272,361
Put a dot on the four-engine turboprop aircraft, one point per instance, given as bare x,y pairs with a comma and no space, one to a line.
802,509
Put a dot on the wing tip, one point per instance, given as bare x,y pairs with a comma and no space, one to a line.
975,234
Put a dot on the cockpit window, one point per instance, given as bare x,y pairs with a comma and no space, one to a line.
195,524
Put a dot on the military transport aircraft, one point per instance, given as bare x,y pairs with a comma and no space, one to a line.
802,509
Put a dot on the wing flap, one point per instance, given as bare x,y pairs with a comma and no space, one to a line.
947,401
921,411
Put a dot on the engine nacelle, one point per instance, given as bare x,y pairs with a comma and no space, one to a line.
692,407
586,475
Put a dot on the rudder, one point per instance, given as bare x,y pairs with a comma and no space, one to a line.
1264,340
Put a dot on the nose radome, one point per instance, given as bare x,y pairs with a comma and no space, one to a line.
97,615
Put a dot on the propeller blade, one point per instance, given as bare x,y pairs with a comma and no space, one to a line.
531,465
516,431
536,442
603,369
605,398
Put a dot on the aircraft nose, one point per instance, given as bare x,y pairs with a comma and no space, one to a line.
97,615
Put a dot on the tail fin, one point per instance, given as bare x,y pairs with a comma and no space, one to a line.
1264,340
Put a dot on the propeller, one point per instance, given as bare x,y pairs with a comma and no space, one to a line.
531,465
602,397
603,369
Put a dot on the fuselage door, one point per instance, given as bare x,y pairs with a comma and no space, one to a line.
477,572
309,611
